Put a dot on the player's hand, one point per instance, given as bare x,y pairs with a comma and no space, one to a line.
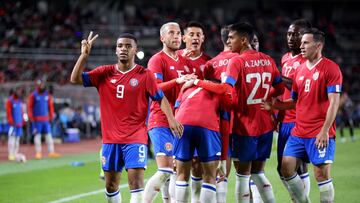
187,53
87,43
322,139
185,78
266,105
176,128
221,170
187,84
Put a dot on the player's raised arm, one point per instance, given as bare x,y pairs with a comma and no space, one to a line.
86,44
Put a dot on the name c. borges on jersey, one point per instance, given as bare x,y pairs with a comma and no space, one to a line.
257,63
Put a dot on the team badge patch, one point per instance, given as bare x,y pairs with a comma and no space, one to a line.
103,160
296,64
134,82
168,146
316,75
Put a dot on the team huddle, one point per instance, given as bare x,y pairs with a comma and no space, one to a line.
206,114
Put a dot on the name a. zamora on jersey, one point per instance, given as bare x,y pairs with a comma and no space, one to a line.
257,63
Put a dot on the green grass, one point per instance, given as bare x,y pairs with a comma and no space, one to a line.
52,179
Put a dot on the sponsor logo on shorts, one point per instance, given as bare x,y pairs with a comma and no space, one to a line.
103,160
322,152
168,146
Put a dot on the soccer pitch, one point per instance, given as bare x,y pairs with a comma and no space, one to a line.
56,180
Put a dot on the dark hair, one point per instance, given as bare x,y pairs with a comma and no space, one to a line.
194,24
224,34
129,36
318,35
302,23
243,29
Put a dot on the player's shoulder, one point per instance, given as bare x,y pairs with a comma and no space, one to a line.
285,57
329,62
157,56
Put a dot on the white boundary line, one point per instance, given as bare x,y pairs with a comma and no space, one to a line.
66,199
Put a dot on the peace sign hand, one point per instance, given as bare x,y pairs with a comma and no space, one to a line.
87,43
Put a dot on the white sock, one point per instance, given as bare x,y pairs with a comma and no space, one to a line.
287,188
11,145
296,186
114,197
242,190
155,183
136,195
172,186
221,191
255,195
17,145
182,191
196,183
49,142
37,142
208,193
306,180
264,187
327,191
165,192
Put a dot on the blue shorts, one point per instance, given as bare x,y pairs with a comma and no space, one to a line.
116,156
284,133
206,142
305,149
15,131
249,148
41,127
162,140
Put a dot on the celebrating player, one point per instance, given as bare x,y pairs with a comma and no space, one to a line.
123,120
170,70
315,92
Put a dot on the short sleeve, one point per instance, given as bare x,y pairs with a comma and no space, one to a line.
233,70
152,89
333,78
155,65
93,77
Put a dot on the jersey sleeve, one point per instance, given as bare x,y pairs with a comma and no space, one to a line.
31,107
93,77
51,107
152,89
333,79
8,112
233,70
277,76
155,65
294,89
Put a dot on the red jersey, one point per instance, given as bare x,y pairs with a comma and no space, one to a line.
166,68
197,62
124,99
199,107
289,64
216,67
311,87
252,73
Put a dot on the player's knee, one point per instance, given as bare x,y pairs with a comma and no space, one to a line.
136,183
321,175
286,171
111,186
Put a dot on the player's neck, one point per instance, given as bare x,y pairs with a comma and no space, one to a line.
313,60
295,52
245,49
170,52
123,67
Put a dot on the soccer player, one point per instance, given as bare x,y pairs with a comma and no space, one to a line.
170,70
316,93
344,116
14,114
216,68
41,113
194,38
252,73
201,133
289,63
124,89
